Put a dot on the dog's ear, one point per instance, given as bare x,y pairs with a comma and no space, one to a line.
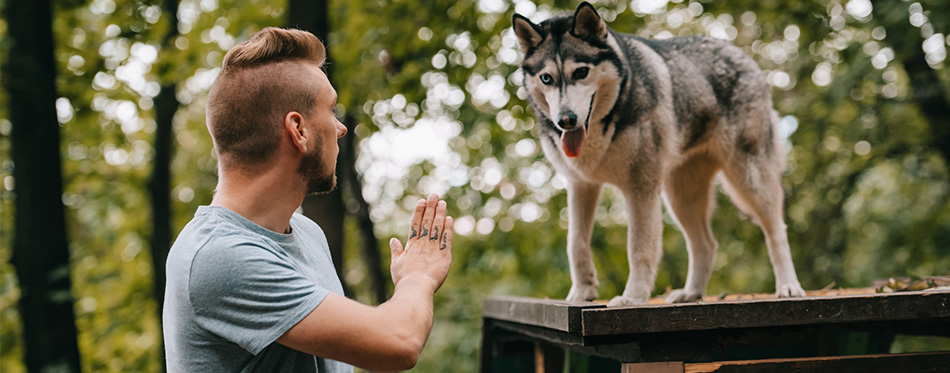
587,23
529,35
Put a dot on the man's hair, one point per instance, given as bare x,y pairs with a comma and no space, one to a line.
259,83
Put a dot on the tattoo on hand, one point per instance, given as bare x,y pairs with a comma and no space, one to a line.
435,234
425,231
413,234
444,242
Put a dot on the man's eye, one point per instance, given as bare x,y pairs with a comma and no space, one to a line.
546,79
580,73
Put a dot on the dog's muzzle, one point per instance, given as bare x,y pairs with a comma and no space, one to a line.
567,121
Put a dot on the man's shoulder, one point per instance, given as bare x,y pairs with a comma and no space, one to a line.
232,259
208,241
304,221
304,224
231,245
208,229
210,221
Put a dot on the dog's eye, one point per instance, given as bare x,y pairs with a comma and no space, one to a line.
546,79
580,73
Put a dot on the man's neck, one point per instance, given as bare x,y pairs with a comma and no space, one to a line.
266,198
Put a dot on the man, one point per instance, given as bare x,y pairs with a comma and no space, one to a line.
251,286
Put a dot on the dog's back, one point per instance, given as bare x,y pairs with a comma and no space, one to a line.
717,91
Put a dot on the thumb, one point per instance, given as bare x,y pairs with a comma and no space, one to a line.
395,247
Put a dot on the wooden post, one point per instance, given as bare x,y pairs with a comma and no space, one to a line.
486,355
548,358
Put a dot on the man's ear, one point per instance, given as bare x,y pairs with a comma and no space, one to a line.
587,23
529,35
293,124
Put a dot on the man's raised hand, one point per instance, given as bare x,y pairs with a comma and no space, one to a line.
428,251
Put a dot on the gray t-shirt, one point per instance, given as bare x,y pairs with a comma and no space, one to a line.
234,287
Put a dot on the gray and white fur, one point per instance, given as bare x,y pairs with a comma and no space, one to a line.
659,119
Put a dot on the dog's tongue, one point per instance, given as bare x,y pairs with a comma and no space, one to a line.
571,141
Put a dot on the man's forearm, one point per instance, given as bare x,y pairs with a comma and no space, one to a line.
388,337
411,310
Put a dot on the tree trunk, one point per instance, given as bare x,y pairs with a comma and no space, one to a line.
925,84
40,246
348,173
310,15
327,210
159,185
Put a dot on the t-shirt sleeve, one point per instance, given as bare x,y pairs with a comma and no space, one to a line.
249,295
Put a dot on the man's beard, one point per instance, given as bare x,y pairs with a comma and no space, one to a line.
319,177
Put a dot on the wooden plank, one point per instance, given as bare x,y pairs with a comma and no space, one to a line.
554,314
557,337
910,362
921,306
664,367
620,351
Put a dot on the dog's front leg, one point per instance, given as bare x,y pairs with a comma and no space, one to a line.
644,247
581,203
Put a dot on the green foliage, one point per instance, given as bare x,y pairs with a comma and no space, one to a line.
867,192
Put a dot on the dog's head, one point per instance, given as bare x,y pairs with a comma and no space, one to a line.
568,63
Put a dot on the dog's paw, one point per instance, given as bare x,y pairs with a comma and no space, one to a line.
683,296
582,293
790,290
621,301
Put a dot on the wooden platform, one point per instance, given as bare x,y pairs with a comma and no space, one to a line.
826,329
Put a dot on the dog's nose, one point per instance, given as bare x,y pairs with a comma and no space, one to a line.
567,121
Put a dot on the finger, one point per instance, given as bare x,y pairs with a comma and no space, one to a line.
395,247
416,223
447,234
439,222
429,215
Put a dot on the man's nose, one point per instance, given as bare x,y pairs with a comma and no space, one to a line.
567,120
340,129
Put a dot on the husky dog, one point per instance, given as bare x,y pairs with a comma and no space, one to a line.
658,119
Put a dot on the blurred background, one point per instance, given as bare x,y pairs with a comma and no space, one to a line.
114,157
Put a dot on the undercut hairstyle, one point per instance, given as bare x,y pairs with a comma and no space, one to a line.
261,80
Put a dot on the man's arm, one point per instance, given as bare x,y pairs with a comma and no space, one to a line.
390,336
